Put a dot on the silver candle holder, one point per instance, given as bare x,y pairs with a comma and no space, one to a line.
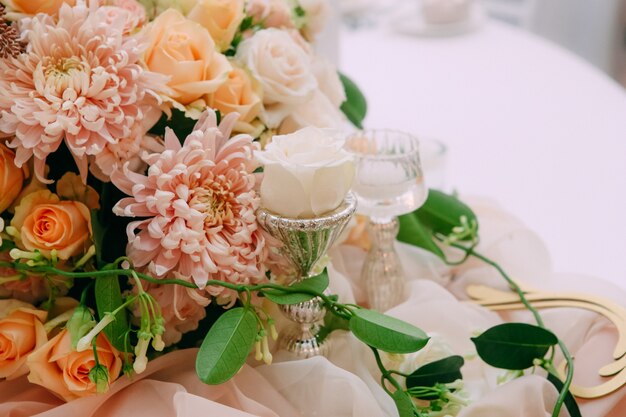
304,243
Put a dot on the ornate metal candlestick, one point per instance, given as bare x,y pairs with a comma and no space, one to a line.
305,241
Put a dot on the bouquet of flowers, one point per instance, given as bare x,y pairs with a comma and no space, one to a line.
129,182
130,177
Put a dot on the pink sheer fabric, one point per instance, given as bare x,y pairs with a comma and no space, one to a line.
346,383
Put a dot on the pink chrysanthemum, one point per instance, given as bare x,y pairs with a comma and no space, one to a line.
79,80
200,204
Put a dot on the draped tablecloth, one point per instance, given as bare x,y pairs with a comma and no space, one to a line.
346,383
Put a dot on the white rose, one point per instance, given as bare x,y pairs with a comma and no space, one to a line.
328,81
322,110
283,68
306,173
317,112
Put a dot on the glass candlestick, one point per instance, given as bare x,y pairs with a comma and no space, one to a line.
388,182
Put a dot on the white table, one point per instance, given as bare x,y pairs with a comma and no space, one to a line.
526,122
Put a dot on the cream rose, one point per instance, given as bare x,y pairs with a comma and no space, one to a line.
317,112
45,223
239,94
21,332
282,67
328,81
32,7
11,178
306,173
185,51
220,17
271,13
316,13
64,371
322,110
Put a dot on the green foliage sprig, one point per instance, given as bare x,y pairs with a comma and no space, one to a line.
442,221
445,221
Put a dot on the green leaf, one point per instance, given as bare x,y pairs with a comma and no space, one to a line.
98,235
107,227
332,322
355,106
108,298
386,333
317,283
7,244
413,232
226,346
179,123
514,345
246,23
404,404
443,371
79,324
570,401
442,212
194,338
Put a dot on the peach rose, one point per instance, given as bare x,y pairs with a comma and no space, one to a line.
64,371
220,17
46,223
185,51
240,94
21,332
32,7
11,178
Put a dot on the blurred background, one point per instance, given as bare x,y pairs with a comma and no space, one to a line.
592,29
524,99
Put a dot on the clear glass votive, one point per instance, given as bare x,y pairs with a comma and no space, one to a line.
388,182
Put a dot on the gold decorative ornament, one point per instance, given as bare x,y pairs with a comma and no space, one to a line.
498,300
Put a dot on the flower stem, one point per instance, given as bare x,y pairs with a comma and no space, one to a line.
520,293
385,372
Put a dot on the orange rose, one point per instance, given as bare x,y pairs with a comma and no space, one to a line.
11,178
32,7
220,17
239,94
185,51
21,332
45,223
59,368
